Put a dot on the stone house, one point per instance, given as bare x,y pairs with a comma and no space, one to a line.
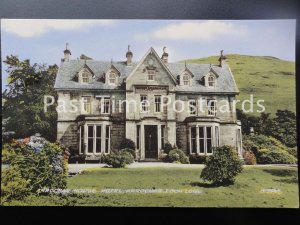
152,102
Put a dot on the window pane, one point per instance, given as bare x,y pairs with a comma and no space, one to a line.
98,131
107,139
162,136
98,145
208,132
90,131
138,136
193,140
81,139
90,145
98,139
157,103
201,132
209,149
201,142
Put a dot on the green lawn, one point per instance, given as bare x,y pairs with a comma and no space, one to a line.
246,192
265,77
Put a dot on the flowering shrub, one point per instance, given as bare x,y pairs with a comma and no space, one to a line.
33,164
249,158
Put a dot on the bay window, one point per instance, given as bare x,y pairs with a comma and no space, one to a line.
203,139
94,139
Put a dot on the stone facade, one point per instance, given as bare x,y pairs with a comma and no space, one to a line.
102,103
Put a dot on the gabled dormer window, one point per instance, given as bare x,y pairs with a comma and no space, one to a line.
112,78
85,76
211,81
186,79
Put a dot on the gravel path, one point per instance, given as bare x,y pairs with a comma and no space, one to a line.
78,168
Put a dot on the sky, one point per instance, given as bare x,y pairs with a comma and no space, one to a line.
43,40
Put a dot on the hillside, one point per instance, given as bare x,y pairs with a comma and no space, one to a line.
265,77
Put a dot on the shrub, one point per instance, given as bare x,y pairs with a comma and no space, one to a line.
177,155
33,165
13,185
167,148
163,157
293,151
275,156
127,143
131,151
119,159
222,167
197,159
249,158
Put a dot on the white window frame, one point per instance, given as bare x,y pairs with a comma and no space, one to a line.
144,104
152,75
84,74
105,100
214,138
211,81
194,103
103,138
211,107
109,78
86,103
186,82
157,103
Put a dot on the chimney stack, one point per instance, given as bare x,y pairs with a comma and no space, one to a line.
67,54
129,56
165,55
222,59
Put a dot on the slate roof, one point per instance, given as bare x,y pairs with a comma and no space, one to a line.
68,70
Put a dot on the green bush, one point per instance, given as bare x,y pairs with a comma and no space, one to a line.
222,167
269,150
197,159
127,143
167,148
33,165
275,156
249,158
131,151
119,159
13,185
177,155
293,151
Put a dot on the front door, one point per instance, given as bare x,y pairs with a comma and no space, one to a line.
151,149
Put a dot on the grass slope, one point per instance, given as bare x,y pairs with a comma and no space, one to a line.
246,192
265,77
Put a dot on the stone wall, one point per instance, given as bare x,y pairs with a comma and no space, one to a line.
67,134
182,137
117,135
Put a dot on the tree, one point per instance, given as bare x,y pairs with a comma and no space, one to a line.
222,167
23,99
284,127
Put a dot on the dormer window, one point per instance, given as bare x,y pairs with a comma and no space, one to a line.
151,74
186,79
85,77
211,81
112,78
